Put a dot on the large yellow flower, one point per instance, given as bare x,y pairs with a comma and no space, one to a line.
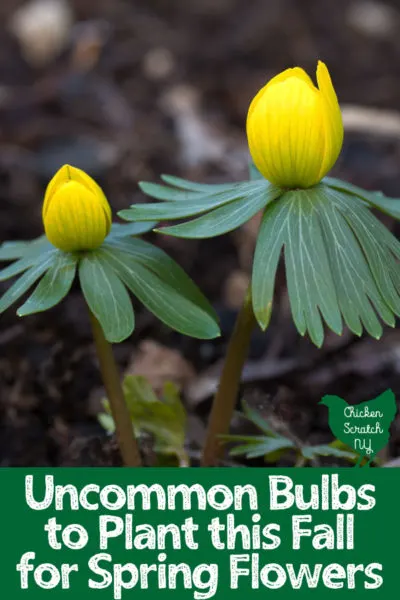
295,129
76,214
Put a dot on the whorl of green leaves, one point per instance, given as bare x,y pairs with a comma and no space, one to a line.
122,263
342,264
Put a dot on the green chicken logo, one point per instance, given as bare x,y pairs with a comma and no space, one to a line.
365,426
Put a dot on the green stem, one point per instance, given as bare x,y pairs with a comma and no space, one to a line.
111,379
225,399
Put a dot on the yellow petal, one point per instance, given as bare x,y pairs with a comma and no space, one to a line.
76,214
294,129
285,133
60,178
333,123
69,173
297,72
293,72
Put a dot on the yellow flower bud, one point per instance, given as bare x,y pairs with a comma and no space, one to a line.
295,129
76,214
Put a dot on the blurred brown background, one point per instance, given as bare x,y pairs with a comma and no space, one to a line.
127,90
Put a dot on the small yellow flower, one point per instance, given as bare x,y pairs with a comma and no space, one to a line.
294,129
76,214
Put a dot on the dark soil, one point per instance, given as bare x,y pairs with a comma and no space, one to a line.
112,103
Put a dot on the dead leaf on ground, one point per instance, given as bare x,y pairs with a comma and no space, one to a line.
159,364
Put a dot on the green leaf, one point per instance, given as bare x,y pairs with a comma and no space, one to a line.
293,223
122,230
271,444
389,206
270,240
165,268
249,439
106,297
173,194
23,283
172,210
33,254
310,284
377,244
53,287
160,297
255,417
354,456
243,449
339,259
169,194
106,421
311,452
164,418
355,285
226,218
348,188
262,447
194,204
14,250
193,186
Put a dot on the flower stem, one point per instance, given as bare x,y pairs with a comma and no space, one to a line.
226,395
111,379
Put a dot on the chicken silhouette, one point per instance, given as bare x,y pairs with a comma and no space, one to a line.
365,426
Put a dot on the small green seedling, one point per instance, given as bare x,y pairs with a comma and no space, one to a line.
272,446
162,418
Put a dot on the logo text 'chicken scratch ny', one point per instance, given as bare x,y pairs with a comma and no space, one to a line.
365,426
